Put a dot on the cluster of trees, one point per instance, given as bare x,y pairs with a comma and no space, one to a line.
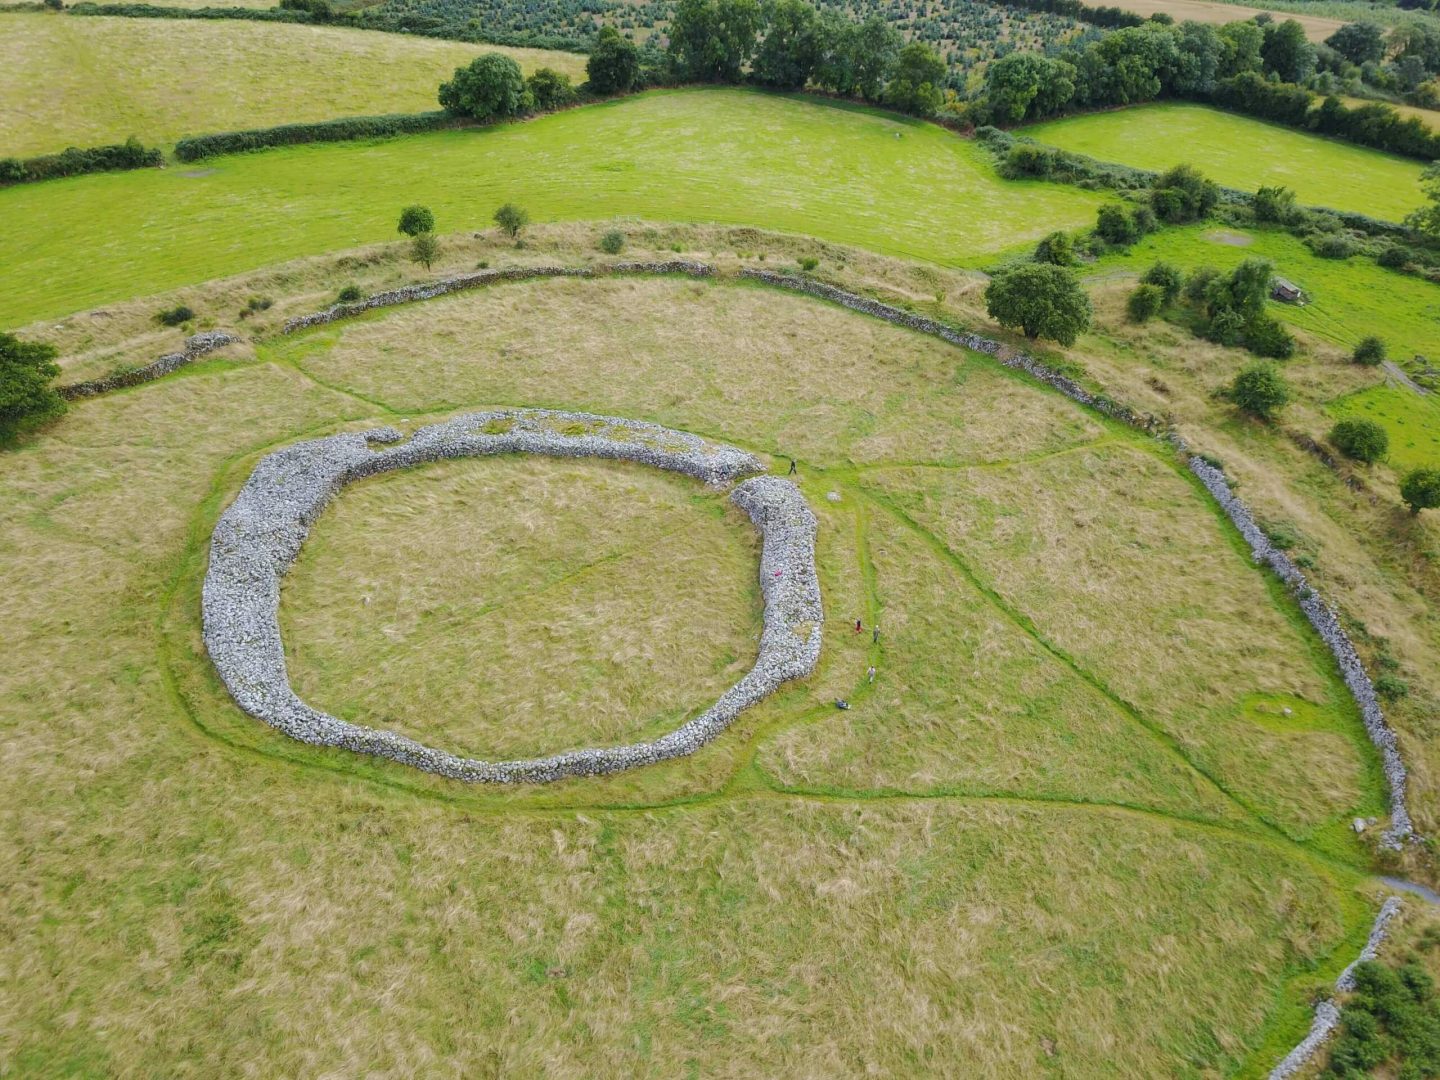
1229,308
27,397
491,87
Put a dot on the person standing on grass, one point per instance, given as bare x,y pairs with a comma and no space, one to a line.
875,635
792,468
858,627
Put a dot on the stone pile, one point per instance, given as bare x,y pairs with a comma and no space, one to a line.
196,346
259,536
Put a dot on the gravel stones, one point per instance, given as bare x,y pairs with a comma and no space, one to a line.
258,537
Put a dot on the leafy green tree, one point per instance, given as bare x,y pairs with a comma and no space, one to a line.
916,80
1166,278
1265,336
1427,219
1041,299
614,64
1240,49
1144,303
489,88
1359,42
1274,204
1421,489
424,248
1243,291
1025,85
512,220
1182,194
1260,390
792,47
550,89
416,219
855,59
1370,351
1056,248
1116,225
1363,440
1287,52
713,40
26,394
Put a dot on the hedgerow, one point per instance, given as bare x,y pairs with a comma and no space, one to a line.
193,148
75,161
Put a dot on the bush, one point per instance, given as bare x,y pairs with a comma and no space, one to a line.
1025,159
174,316
424,249
73,162
349,294
1260,390
1275,204
490,88
1057,249
1144,303
1041,299
1391,687
354,127
612,242
415,220
1197,285
1361,440
26,395
1393,257
1266,337
1333,246
1183,194
1421,489
1370,351
512,220
549,89
1114,225
809,263
1166,278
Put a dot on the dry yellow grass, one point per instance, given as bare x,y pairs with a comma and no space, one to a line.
1317,28
86,81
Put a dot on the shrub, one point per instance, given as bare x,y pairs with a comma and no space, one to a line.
809,263
1144,302
1197,285
1275,204
1260,390
1166,278
74,161
415,220
26,395
1264,336
424,248
174,316
1361,440
1114,225
549,89
1041,299
1057,249
1025,159
349,294
490,88
1391,687
1370,351
512,220
1393,257
1421,489
1183,194
1333,246
612,242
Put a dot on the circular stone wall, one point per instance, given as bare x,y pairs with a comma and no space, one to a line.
258,537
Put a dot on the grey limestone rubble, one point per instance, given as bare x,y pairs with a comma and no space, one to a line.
196,346
258,537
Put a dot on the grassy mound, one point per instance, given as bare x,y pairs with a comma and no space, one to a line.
88,81
1244,153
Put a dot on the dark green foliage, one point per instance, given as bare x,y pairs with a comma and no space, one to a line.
512,220
349,294
1197,285
1391,687
1287,52
1116,225
1025,86
549,89
1360,43
916,80
490,87
1144,303
175,316
74,161
1362,440
614,64
415,220
1183,194
1332,245
1165,277
808,263
26,395
1393,257
193,148
1041,299
1057,248
1265,336
1260,390
793,45
424,249
856,58
1392,1018
713,40
1370,351
612,242
1243,291
1274,204
1421,489
1427,219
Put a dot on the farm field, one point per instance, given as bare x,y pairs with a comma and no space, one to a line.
1411,420
977,865
842,173
1217,13
1429,117
88,81
1243,153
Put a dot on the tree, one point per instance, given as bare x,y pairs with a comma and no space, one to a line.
1274,204
1057,248
614,64
1421,489
1427,219
1287,52
1362,440
549,89
855,59
424,248
1183,194
1370,351
916,80
1025,85
26,396
792,47
1144,303
713,40
1243,292
1265,336
1166,278
415,220
490,88
1260,390
512,220
1115,225
1240,49
1360,42
1041,299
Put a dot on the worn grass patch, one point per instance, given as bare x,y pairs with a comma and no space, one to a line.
87,81
1244,153
839,172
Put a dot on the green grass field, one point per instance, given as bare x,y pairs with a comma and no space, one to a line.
841,173
1042,825
1243,153
1349,298
87,81
1411,421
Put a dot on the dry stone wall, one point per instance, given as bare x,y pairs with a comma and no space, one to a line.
259,536
195,347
